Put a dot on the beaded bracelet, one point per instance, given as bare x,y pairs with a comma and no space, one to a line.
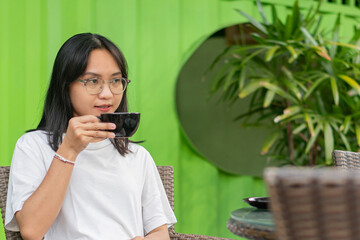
57,156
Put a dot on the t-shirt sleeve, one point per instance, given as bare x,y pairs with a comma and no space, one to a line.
26,173
156,208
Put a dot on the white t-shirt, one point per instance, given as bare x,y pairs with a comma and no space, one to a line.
109,196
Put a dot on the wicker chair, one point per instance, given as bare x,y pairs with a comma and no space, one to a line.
346,159
315,204
4,179
167,177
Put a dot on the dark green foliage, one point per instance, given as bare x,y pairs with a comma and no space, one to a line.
305,81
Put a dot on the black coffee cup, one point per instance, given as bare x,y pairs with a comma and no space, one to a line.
126,123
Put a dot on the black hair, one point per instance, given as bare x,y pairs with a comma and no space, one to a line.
70,63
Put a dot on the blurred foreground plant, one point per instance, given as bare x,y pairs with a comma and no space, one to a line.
306,83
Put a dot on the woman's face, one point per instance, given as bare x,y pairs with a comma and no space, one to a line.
101,64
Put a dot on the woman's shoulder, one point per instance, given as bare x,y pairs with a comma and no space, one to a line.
33,137
139,152
142,156
137,149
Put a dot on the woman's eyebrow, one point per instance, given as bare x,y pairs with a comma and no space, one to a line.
117,73
98,75
92,73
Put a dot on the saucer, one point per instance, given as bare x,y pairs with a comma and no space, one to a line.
258,202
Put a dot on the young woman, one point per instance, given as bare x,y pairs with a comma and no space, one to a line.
71,179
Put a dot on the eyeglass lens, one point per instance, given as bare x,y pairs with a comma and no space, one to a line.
95,85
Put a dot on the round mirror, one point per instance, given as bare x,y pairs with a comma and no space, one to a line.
209,122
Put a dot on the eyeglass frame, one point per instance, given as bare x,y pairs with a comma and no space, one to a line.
85,81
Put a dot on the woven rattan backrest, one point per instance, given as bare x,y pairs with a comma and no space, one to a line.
315,204
4,179
346,159
167,176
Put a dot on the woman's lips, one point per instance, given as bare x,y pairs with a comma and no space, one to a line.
103,108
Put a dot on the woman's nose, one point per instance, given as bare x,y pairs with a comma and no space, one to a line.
106,92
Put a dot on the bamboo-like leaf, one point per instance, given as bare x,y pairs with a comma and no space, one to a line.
299,128
357,59
246,49
250,88
352,92
315,85
317,26
287,73
355,114
277,90
329,142
270,53
219,79
328,67
269,142
242,77
300,84
322,52
356,35
334,90
293,118
255,53
308,36
334,121
345,141
311,15
346,125
294,54
351,82
289,82
320,40
279,28
229,78
308,14
348,45
296,16
269,97
217,59
313,138
335,38
259,63
320,103
278,42
288,112
259,39
309,123
288,26
280,118
253,21
292,110
261,11
357,132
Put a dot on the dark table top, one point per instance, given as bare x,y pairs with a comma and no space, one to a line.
252,223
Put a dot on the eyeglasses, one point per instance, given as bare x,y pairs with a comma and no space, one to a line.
95,85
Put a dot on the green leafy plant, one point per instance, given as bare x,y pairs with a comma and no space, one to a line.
303,79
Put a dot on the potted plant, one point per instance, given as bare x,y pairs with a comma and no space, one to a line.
300,77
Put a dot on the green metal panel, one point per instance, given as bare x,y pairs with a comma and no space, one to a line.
157,38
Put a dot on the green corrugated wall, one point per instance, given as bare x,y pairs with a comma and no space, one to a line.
157,37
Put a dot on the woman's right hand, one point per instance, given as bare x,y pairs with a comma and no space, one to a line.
83,130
